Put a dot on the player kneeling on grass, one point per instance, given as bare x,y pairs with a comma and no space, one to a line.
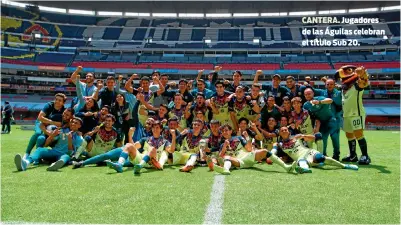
237,151
145,151
304,156
68,139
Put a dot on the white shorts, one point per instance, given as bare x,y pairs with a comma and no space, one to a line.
350,124
246,159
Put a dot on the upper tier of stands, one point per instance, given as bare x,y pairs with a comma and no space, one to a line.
178,22
123,32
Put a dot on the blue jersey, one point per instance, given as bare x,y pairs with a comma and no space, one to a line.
62,141
321,112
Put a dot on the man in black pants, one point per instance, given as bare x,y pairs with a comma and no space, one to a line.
7,114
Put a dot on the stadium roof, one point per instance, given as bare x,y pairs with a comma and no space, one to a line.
213,6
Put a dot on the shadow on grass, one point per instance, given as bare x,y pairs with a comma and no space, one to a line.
268,171
381,169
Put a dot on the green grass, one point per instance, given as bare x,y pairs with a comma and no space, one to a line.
265,194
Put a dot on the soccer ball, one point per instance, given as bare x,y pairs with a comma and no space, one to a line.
51,128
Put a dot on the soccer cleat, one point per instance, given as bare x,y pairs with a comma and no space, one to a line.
364,160
76,165
221,170
186,168
351,167
156,164
302,170
336,157
56,165
20,163
26,155
350,158
116,166
137,169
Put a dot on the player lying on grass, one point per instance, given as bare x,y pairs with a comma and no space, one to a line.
303,156
68,139
101,139
146,151
237,151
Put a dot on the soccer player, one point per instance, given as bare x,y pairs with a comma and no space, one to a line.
232,86
303,156
257,98
145,151
250,128
51,114
182,89
326,123
68,139
301,120
213,144
270,134
219,104
270,110
296,90
107,95
178,110
114,154
98,141
240,106
189,153
200,105
88,88
275,90
355,80
237,151
201,88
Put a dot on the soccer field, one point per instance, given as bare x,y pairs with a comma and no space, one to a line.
264,194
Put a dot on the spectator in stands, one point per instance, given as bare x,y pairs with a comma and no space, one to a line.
296,90
7,114
232,86
51,114
107,94
201,88
275,89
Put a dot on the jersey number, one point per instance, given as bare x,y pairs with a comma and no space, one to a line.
356,122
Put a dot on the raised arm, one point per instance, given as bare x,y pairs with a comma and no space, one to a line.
75,73
256,78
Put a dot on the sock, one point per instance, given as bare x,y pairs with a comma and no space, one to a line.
32,143
123,157
81,149
144,160
227,164
352,146
163,158
279,162
191,161
363,146
333,162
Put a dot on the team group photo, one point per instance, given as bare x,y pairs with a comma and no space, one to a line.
156,113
